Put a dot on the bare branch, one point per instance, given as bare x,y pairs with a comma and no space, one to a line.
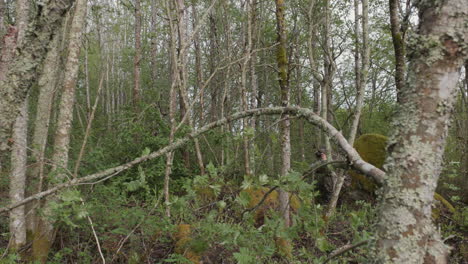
353,157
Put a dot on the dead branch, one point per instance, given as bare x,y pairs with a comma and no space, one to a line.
353,157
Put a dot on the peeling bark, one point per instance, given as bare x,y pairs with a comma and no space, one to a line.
405,232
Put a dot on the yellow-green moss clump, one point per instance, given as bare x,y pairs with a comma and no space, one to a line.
205,194
182,243
371,148
271,202
284,247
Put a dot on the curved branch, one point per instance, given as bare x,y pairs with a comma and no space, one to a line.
355,160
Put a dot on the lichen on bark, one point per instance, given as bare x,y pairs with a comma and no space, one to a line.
405,232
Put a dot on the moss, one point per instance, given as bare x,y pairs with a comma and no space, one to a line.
372,149
271,202
205,194
284,247
441,204
182,243
40,247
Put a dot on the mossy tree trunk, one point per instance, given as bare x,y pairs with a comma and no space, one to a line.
405,232
399,45
283,77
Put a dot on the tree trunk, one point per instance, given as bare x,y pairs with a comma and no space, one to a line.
245,101
19,149
360,89
283,76
405,232
175,85
45,233
46,86
154,48
137,57
199,85
18,178
399,46
22,72
361,79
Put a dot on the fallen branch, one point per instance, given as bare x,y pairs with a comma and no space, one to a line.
344,249
353,157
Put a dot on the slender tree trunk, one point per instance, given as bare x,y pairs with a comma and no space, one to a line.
405,232
245,100
19,148
399,46
283,77
361,79
214,53
45,233
2,20
46,86
360,73
225,99
18,178
464,158
175,85
253,79
137,57
154,48
199,73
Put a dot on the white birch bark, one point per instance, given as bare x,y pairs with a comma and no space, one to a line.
405,232
18,178
19,148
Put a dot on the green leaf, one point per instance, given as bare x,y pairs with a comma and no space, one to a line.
323,245
146,151
244,256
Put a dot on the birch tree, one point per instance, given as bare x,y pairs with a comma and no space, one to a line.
405,232
137,57
22,72
45,232
283,78
19,148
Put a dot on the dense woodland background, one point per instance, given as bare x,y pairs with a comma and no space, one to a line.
122,79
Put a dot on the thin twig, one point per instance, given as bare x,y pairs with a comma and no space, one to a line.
88,128
344,249
95,235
